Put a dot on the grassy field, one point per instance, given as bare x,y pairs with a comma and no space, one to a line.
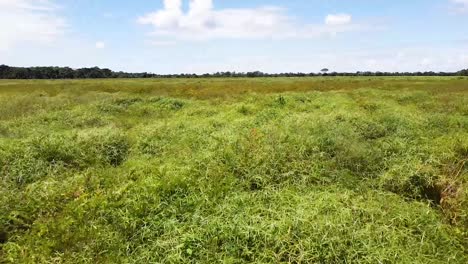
298,170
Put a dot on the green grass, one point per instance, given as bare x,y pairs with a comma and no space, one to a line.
299,170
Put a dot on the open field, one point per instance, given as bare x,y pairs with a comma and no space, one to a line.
298,170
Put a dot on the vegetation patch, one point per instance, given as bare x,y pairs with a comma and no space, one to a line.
301,170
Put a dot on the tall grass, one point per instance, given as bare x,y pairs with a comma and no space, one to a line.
339,170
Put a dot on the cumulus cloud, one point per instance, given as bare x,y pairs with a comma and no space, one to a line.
29,21
338,19
203,21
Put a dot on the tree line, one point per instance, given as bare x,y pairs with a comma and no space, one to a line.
7,72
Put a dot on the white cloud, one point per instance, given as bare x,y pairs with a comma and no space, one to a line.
161,43
29,21
202,21
338,19
464,59
100,45
427,64
371,59
460,5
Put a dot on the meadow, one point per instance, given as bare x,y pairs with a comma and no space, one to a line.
262,170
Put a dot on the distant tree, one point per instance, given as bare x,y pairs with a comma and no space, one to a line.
255,74
463,72
7,72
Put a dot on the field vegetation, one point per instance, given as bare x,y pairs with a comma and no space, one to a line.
283,170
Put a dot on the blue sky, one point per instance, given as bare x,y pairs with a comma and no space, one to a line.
177,36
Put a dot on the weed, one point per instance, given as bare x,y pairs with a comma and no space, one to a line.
301,170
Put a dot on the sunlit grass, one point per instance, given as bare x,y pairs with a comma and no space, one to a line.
312,170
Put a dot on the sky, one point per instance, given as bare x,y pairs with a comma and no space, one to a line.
205,36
